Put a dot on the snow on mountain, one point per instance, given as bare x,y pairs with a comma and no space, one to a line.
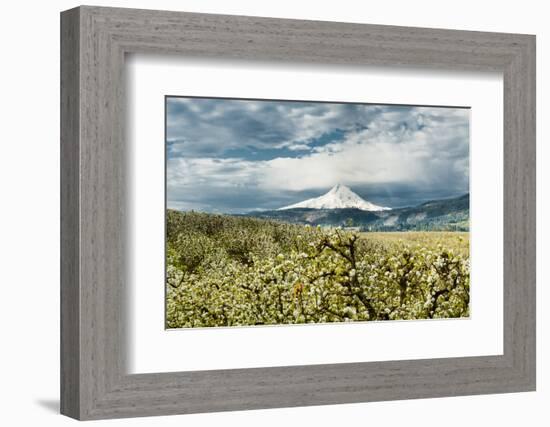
339,197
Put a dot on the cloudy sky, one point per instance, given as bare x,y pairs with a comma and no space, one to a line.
236,156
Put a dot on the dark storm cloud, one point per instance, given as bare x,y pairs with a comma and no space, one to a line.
199,126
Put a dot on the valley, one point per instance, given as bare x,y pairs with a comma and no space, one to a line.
340,207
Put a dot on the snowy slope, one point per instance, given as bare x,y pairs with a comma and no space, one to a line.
339,197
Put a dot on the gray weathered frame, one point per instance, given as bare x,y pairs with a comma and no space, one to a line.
94,41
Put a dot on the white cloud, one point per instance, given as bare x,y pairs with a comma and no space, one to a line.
425,148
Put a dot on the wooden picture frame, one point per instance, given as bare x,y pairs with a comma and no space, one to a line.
94,382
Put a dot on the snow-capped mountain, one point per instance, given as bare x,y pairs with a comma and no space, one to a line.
451,214
339,197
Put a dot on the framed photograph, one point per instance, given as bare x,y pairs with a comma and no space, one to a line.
297,212
247,244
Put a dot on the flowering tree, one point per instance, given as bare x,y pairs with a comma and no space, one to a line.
231,271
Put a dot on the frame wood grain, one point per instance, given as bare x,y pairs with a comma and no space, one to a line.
94,381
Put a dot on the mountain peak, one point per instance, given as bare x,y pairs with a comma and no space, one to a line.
338,187
338,197
342,189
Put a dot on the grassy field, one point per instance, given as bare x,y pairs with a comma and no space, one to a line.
239,271
457,241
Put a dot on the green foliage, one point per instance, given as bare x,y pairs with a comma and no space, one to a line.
234,271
